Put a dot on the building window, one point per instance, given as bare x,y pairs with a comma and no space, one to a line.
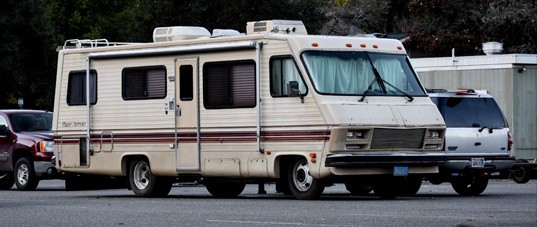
143,83
282,70
229,84
76,88
186,82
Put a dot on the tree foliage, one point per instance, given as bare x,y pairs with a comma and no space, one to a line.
32,29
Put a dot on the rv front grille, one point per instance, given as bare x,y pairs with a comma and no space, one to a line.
397,138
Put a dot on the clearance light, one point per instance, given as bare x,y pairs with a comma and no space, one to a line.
362,45
399,47
375,46
313,155
348,45
268,152
314,44
313,160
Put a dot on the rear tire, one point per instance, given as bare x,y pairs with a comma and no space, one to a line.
25,177
223,188
144,183
6,180
470,186
301,183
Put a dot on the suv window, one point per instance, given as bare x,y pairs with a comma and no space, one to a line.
470,112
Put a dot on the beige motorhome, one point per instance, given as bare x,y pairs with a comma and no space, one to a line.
272,105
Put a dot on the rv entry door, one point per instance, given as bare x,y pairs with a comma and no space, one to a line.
187,114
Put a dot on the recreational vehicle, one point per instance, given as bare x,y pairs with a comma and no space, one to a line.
226,109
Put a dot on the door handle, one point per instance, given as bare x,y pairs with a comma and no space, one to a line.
477,143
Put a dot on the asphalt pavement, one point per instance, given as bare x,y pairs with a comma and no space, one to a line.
504,203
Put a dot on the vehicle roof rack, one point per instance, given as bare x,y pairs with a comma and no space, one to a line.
88,43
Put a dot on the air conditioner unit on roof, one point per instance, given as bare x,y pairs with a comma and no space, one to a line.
276,26
165,34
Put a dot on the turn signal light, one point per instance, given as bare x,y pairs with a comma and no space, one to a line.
314,44
313,155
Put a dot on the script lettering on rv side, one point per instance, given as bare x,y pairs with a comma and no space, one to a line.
73,124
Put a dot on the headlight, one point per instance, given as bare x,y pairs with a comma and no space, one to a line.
46,146
433,134
355,135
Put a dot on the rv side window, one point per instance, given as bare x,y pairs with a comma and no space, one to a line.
186,82
76,88
282,70
144,83
229,84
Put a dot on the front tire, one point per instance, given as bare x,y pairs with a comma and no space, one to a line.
144,183
25,177
6,180
470,186
301,183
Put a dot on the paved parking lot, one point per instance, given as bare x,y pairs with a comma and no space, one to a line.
504,203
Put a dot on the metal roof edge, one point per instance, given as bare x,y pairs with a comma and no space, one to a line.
473,62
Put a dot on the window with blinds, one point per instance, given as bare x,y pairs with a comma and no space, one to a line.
229,84
147,82
76,88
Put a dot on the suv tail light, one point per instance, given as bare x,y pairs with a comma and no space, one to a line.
509,141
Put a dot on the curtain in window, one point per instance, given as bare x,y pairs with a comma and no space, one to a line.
333,74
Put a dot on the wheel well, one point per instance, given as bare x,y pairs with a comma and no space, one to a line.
20,153
126,160
282,164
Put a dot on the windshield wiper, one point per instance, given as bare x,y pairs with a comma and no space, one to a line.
382,83
369,88
410,98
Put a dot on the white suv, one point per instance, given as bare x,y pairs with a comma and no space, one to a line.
477,140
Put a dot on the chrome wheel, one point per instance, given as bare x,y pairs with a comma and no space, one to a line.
22,174
301,184
301,176
141,175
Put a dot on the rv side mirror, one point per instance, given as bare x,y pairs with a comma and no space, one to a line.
3,131
292,89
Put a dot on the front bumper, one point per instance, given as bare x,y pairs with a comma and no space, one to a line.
45,169
360,160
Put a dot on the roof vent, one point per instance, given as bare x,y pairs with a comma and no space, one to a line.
165,34
225,32
491,48
276,26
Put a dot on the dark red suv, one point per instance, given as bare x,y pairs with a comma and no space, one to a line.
26,148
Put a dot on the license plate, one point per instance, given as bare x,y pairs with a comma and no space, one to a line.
400,171
478,162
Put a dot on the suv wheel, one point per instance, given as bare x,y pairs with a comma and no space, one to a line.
470,186
25,177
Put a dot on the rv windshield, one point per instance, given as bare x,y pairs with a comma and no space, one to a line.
352,73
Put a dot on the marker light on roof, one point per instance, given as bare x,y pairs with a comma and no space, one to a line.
375,46
362,45
314,44
399,47
348,45
465,92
